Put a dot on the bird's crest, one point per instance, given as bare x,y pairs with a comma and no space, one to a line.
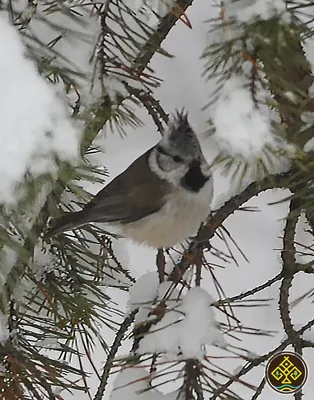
179,133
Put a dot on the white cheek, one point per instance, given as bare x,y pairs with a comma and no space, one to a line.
173,176
165,164
176,175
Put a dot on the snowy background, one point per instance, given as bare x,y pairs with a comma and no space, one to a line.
258,234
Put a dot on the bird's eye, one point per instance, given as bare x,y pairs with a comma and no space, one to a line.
177,159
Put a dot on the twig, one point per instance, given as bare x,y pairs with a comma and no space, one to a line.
112,353
289,268
161,262
192,380
154,42
250,292
198,273
259,389
152,105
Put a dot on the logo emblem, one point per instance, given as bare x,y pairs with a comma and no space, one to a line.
286,372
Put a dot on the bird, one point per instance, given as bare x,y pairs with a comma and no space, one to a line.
160,199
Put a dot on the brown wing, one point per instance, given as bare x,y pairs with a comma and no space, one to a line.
132,195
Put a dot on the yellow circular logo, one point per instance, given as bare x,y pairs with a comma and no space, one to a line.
286,372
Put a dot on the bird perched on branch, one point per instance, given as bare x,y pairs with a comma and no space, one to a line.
160,199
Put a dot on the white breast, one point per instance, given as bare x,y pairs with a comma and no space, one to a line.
177,220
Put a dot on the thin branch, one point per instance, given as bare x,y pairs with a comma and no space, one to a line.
289,268
192,380
151,104
250,292
161,262
259,389
154,42
112,353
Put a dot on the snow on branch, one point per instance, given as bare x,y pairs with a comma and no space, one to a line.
34,125
247,129
191,317
244,11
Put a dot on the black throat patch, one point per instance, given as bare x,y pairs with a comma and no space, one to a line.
194,179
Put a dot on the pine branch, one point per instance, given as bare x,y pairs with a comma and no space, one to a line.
285,51
154,42
152,106
250,292
191,383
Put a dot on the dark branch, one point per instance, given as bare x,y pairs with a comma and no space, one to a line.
112,353
289,268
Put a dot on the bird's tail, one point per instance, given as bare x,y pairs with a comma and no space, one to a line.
67,222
